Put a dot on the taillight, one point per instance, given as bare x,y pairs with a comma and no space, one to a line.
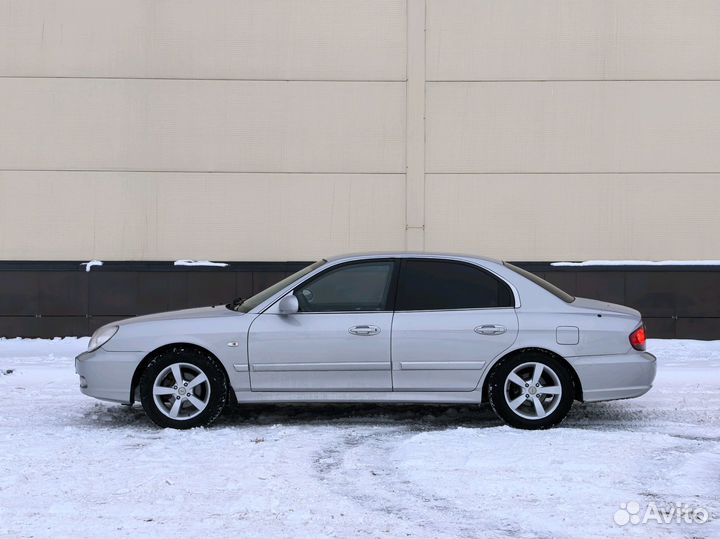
638,338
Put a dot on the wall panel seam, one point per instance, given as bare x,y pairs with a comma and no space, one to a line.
415,125
183,79
170,171
566,173
450,81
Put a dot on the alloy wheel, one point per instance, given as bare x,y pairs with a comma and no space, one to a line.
181,391
532,390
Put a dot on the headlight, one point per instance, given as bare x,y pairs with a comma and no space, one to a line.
101,336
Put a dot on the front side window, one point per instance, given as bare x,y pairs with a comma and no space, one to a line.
252,302
428,285
361,286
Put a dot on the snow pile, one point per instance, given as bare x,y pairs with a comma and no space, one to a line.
640,263
42,349
71,466
199,263
90,265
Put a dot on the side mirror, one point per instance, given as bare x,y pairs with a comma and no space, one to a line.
289,305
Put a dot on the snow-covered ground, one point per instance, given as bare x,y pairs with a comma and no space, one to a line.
71,466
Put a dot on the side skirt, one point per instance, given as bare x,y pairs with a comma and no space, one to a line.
440,397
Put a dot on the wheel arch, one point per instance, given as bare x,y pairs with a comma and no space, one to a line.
538,350
166,347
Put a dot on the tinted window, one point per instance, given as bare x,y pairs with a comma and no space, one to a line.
437,285
554,290
354,287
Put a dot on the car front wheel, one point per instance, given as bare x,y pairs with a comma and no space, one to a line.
183,388
531,391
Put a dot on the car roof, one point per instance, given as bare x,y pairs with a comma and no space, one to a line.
410,254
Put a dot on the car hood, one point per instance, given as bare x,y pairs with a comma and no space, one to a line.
215,311
595,305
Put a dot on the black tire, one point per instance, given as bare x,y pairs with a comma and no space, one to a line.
214,393
518,417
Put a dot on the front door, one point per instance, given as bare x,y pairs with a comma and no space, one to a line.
338,341
452,318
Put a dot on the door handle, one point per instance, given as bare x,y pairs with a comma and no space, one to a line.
364,330
490,329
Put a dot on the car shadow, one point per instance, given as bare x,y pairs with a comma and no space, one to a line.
418,417
413,417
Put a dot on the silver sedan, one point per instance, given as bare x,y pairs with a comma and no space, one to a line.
388,327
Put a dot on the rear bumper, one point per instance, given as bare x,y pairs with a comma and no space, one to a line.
612,377
107,375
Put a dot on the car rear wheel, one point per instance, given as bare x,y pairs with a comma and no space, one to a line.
531,391
183,388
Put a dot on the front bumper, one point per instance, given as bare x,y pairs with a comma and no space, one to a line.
107,375
622,376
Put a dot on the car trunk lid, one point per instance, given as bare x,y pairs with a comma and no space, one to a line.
595,305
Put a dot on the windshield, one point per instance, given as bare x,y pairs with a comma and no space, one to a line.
554,290
257,299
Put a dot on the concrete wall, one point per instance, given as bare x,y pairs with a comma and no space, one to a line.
292,129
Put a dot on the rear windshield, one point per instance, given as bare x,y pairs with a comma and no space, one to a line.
554,290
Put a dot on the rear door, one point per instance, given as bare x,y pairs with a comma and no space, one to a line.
452,318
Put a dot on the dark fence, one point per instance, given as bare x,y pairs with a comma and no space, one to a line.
48,299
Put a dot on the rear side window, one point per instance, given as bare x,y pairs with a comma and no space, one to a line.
554,290
429,285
